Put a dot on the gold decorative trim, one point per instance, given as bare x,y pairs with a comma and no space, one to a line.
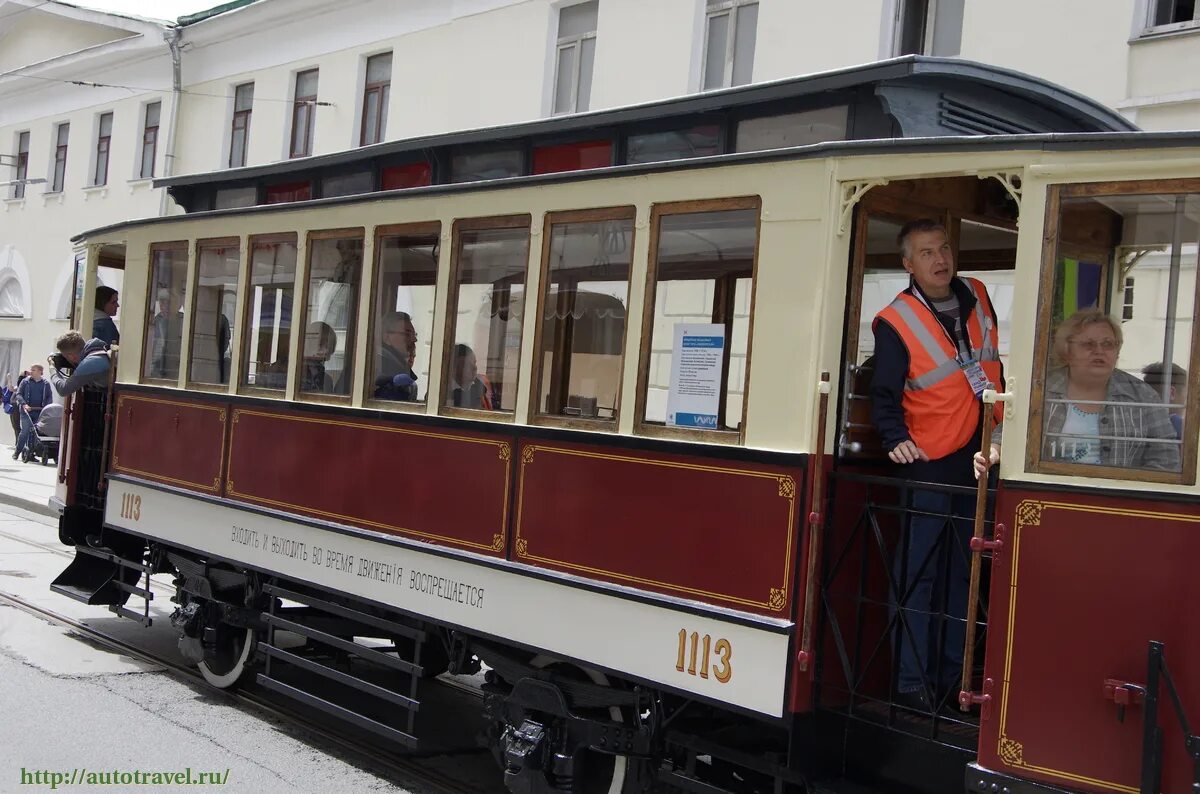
122,399
1011,752
1029,514
505,451
497,542
774,603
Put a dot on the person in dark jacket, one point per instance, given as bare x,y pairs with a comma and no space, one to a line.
394,376
32,396
86,361
103,326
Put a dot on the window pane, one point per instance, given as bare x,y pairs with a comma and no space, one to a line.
243,97
1115,391
714,51
164,323
397,177
230,198
705,264
572,157
335,267
583,320
404,295
911,37
106,125
148,147
564,74
745,33
490,302
272,281
587,55
379,68
347,184
792,129
237,146
370,117
578,19
306,83
64,132
476,166
152,113
701,141
216,301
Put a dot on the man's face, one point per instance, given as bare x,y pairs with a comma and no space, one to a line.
930,261
403,336
110,308
35,373
467,369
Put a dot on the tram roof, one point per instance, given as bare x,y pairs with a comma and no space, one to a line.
902,98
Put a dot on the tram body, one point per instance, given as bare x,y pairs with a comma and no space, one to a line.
674,563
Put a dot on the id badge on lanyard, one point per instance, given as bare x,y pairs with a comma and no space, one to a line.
976,377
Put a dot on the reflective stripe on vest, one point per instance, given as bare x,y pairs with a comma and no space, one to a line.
940,409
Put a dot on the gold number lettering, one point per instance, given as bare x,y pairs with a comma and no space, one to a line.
682,644
724,671
137,507
704,656
695,642
700,656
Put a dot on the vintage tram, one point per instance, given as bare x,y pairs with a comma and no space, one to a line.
678,568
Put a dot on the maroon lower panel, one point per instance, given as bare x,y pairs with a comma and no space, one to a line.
443,486
1081,586
720,532
178,442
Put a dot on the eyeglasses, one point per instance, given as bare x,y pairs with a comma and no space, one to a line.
1092,345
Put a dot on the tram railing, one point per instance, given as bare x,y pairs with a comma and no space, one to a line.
896,572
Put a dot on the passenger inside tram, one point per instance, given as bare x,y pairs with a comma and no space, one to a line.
394,376
1172,389
469,388
319,344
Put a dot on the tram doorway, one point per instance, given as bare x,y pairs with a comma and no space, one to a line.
896,556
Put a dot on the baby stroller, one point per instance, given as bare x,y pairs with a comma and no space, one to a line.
43,441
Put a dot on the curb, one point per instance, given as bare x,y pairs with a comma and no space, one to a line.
32,505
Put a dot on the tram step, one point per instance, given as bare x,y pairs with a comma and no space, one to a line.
97,578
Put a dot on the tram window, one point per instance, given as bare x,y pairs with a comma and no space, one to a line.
584,298
292,191
478,166
572,157
396,177
1114,394
792,129
331,295
214,303
347,184
235,197
405,288
487,307
653,147
164,314
269,311
702,274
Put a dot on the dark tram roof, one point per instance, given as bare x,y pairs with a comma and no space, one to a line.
903,98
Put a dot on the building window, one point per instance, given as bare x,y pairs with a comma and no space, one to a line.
304,110
1127,303
150,139
61,133
928,27
405,289
375,98
331,312
103,138
269,311
215,302
1172,12
167,296
575,56
731,27
18,188
239,134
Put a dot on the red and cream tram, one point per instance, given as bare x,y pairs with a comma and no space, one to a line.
625,460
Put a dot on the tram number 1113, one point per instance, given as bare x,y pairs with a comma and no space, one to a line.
705,657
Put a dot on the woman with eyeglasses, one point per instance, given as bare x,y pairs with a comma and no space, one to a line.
1097,414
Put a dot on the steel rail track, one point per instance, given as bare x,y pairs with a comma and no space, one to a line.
400,769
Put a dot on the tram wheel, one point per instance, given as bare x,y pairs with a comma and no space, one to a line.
232,661
604,773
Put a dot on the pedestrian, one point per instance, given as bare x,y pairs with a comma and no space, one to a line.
32,396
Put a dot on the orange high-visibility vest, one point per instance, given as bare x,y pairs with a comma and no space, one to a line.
940,409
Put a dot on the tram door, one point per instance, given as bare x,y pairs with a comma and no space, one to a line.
870,646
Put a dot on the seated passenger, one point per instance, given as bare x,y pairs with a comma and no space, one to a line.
49,424
1087,419
394,376
1176,390
87,363
103,326
320,342
468,388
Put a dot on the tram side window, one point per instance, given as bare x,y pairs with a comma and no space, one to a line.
269,312
1115,392
488,304
584,300
694,372
327,350
164,317
405,279
215,296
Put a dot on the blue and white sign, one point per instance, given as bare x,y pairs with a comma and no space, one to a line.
695,394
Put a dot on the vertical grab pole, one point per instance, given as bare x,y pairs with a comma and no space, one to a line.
985,447
815,520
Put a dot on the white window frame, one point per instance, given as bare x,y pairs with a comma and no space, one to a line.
566,43
711,10
898,27
1145,16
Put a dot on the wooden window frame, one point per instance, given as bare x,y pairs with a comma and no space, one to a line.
379,88
351,349
415,229
1050,235
240,123
22,165
552,219
310,122
247,274
172,245
193,291
654,429
149,140
58,176
103,146
518,221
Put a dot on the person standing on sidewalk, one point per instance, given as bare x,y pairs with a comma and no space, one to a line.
10,408
936,350
33,395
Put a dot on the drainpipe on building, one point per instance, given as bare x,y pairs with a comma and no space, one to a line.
173,38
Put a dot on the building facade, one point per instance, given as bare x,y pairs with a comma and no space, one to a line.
94,106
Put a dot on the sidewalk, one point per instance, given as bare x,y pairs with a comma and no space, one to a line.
27,485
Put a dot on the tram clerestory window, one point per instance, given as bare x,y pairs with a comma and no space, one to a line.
327,347
402,324
694,372
584,303
1114,392
268,326
486,311
214,306
167,297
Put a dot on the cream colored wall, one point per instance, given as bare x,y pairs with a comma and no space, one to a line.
645,51
42,36
796,37
1174,116
1164,65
